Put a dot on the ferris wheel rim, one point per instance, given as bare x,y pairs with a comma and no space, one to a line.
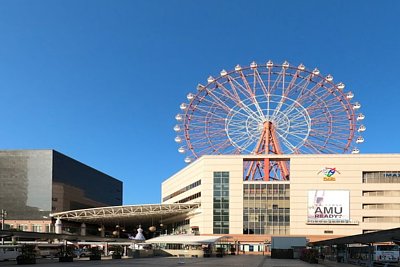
334,93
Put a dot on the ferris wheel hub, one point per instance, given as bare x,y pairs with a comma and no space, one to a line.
247,120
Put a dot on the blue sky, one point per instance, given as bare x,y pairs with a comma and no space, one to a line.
101,81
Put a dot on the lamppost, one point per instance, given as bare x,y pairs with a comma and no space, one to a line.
3,216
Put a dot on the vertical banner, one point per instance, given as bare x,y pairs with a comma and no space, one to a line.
328,206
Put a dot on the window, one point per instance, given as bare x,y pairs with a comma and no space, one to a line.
22,227
182,190
266,208
189,198
37,228
221,203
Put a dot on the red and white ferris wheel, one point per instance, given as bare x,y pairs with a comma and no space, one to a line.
269,109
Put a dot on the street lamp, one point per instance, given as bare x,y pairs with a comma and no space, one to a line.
3,216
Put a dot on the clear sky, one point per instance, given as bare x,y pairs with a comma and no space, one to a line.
101,81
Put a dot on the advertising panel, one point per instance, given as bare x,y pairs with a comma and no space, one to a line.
327,206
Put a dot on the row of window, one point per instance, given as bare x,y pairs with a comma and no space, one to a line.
221,212
218,205
281,230
381,177
266,190
381,193
186,199
221,229
34,227
182,190
218,218
281,211
257,198
267,204
382,219
266,218
222,186
224,199
382,206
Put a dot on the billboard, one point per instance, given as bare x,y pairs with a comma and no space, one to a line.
327,206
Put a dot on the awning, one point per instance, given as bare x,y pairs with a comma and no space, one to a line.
390,235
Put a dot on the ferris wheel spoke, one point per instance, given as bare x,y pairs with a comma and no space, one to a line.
292,82
252,97
261,82
280,80
320,149
288,145
236,90
292,135
302,86
223,145
218,101
286,142
246,84
226,92
239,88
327,143
244,141
246,113
276,83
200,109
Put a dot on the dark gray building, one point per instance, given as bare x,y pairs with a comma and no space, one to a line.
35,183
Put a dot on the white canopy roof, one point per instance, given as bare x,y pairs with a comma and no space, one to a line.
184,239
127,214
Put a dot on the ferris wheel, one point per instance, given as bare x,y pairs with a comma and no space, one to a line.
269,109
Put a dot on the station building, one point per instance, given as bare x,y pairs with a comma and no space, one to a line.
36,183
326,196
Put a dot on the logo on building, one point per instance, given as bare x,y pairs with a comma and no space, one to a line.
328,206
328,173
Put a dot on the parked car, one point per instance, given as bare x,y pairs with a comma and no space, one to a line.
81,253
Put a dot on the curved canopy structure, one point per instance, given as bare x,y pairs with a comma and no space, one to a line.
126,214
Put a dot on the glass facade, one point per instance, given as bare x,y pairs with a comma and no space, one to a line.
25,183
221,203
78,186
35,183
266,208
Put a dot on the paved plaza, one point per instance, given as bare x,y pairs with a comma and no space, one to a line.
228,261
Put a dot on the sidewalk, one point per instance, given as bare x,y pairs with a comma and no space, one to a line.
329,263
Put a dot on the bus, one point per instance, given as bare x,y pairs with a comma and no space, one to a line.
380,253
9,252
